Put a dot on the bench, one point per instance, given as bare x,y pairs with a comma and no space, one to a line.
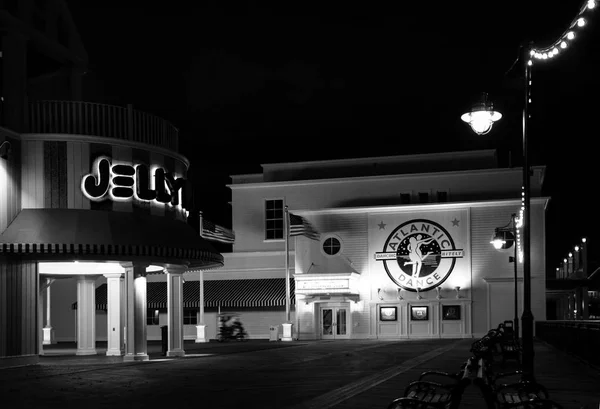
513,395
424,393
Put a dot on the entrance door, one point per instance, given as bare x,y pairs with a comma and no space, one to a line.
334,322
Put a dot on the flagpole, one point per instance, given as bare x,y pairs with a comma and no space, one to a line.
286,229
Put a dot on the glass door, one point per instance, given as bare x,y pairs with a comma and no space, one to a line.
334,322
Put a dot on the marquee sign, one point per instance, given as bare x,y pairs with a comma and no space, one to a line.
122,182
419,254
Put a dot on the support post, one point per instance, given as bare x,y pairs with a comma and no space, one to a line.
175,311
201,327
114,330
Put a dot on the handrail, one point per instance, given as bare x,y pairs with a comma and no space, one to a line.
91,118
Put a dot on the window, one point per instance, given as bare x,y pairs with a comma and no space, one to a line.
274,219
152,317
190,317
388,314
451,312
442,196
419,313
331,246
405,198
423,197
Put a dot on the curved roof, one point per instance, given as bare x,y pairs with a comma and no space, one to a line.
62,233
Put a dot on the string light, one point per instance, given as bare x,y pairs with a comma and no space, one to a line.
564,40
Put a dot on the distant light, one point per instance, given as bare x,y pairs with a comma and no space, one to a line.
591,4
570,35
580,22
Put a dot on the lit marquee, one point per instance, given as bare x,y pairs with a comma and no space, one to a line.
123,182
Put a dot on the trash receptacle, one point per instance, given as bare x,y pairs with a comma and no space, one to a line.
164,331
274,333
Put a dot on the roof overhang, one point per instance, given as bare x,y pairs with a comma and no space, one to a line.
67,234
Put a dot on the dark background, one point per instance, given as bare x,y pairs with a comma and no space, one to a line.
249,84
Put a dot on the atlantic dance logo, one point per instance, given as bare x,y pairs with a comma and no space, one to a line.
419,254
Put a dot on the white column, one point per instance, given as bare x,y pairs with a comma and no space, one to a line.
136,348
86,315
175,311
201,327
47,332
114,330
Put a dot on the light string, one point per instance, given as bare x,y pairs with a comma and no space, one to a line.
565,39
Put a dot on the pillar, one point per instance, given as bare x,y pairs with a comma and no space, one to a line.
114,332
47,331
136,348
585,303
175,311
86,315
201,327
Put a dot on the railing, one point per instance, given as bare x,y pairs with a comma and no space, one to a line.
581,338
89,118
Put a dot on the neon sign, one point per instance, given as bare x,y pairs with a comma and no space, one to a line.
122,182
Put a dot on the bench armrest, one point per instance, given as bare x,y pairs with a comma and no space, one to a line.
438,373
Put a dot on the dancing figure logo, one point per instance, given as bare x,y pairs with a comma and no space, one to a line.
419,254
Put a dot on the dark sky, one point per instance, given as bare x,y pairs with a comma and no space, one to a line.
248,84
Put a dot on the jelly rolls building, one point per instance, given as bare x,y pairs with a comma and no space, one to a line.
404,243
86,191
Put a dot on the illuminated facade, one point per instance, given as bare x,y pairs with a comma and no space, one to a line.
89,193
404,248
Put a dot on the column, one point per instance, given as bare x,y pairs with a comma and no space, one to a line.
201,327
47,332
175,311
86,315
114,331
136,348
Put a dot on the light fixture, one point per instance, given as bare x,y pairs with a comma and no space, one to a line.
437,289
482,116
419,294
4,154
379,294
502,239
457,289
400,294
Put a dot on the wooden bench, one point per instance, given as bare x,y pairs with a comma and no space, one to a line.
428,394
498,395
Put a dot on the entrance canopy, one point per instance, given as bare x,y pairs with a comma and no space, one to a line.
96,234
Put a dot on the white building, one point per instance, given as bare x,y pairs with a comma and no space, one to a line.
357,280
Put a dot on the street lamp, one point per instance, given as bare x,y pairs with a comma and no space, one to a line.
504,237
529,53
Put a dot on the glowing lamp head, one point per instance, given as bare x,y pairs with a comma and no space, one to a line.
482,116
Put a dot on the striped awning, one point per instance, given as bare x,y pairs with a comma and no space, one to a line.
63,233
260,292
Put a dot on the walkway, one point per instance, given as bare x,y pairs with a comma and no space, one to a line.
349,374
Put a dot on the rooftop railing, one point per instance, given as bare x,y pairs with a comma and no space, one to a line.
90,118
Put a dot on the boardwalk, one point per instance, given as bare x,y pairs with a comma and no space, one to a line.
296,375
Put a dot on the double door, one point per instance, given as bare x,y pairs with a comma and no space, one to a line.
334,322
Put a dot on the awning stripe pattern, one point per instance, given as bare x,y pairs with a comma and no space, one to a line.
261,292
110,250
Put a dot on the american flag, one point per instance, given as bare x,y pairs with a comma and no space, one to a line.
299,226
211,231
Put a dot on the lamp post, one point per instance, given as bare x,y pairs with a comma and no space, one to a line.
499,241
485,113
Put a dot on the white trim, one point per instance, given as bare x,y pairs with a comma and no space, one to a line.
107,141
418,207
429,175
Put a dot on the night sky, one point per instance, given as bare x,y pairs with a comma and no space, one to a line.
248,84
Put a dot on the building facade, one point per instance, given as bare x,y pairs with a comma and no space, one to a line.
88,192
404,248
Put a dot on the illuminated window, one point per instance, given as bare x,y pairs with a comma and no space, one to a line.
190,317
331,246
274,219
152,317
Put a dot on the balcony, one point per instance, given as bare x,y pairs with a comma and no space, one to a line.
89,118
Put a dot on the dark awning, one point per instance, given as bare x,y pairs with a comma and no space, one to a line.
260,292
61,232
